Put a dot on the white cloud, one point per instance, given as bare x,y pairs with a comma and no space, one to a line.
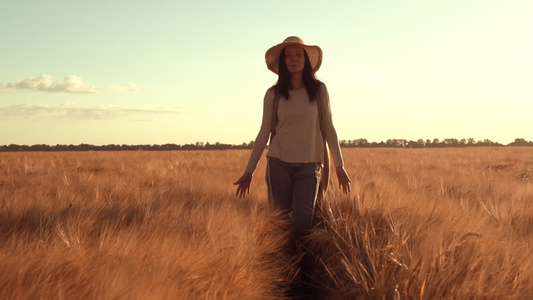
45,83
125,87
72,111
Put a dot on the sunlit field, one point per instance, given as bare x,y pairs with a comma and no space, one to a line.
452,223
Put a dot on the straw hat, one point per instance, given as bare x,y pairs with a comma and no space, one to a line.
272,54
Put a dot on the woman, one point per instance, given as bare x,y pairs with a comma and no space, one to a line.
297,119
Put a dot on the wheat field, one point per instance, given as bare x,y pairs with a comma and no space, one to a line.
453,223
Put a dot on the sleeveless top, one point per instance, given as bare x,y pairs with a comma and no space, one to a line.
298,137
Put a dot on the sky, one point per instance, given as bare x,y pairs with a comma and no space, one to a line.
157,72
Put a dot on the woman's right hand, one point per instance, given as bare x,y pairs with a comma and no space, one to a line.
243,185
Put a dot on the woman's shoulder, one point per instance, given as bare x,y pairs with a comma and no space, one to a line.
270,94
323,90
271,90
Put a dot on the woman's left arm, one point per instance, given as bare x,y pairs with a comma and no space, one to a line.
333,142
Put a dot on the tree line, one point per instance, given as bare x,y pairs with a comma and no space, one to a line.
356,143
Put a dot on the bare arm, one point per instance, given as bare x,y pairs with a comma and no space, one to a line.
243,183
333,143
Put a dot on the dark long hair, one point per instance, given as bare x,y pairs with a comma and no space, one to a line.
312,85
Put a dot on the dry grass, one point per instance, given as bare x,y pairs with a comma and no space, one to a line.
419,224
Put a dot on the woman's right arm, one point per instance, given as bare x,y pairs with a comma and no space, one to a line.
264,133
259,145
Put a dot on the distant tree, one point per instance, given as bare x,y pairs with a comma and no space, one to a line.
417,144
487,142
40,147
420,143
13,147
451,142
402,142
360,143
521,142
342,143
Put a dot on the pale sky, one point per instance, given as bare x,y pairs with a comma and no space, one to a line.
155,72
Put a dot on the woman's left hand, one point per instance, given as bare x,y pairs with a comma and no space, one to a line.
344,179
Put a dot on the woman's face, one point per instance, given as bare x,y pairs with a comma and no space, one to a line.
294,59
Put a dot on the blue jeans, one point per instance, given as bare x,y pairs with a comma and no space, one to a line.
293,188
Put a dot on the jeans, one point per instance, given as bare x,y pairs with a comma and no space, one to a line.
293,188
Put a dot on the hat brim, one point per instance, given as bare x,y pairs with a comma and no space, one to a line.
313,52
